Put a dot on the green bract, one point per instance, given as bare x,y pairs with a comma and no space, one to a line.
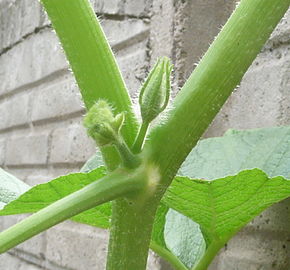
154,94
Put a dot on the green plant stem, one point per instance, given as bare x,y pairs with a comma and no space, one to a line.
106,189
209,255
129,160
168,256
130,235
92,62
140,137
213,81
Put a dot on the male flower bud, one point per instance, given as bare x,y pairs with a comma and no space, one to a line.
154,94
102,125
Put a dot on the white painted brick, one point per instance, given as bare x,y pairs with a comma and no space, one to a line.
4,114
14,111
77,246
2,151
137,7
87,244
32,150
153,262
23,173
1,229
261,100
57,99
123,31
31,60
268,219
34,246
37,178
9,262
133,64
282,31
256,250
71,144
107,6
17,19
34,176
28,266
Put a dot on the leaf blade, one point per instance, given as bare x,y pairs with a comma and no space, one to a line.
183,238
266,148
42,195
220,206
10,188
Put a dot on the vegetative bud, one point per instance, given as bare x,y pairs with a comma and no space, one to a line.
154,94
102,125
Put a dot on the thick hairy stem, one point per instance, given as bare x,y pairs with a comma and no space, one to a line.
132,221
92,62
130,235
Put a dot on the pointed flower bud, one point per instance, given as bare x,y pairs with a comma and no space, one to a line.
154,94
102,125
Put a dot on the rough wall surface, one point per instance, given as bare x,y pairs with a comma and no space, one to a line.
41,136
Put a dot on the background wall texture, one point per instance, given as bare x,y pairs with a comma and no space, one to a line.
41,136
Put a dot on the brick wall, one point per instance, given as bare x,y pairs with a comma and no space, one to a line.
40,114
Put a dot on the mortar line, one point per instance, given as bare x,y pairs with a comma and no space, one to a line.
60,165
120,17
112,17
39,262
23,38
43,122
46,79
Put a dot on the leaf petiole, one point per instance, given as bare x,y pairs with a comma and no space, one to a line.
140,137
209,255
168,256
110,187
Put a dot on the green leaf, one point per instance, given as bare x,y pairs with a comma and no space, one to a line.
100,215
43,195
110,187
10,188
267,149
183,238
158,226
223,206
94,162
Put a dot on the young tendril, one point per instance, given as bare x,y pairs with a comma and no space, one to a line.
105,128
154,97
